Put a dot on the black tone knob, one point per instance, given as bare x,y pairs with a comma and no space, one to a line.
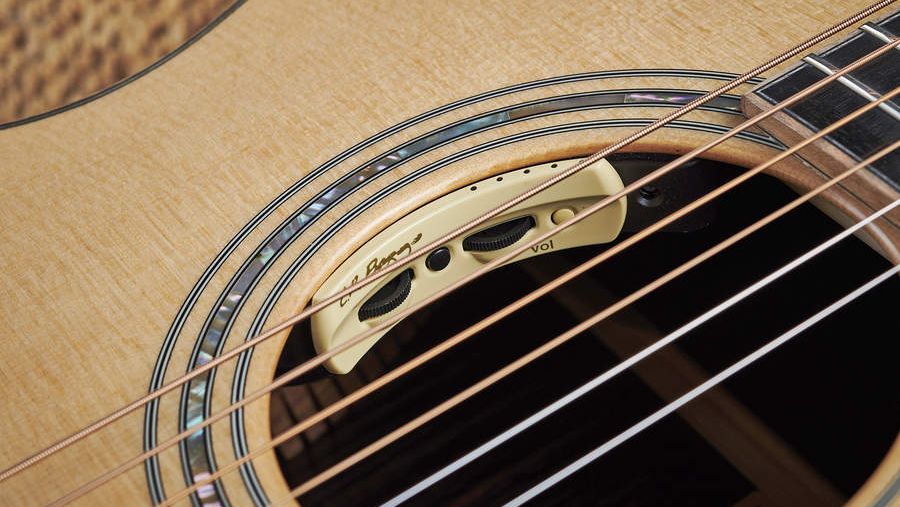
498,236
388,297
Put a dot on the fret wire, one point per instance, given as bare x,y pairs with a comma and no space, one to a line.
280,380
861,90
137,403
277,440
877,31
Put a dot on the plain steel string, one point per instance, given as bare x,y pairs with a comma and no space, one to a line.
284,325
628,363
111,474
365,390
299,370
697,391
534,295
559,340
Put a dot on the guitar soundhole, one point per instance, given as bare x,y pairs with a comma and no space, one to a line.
821,407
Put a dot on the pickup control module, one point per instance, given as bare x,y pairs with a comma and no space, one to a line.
370,306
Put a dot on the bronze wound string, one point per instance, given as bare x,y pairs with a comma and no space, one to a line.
286,324
512,367
380,382
630,362
106,477
560,339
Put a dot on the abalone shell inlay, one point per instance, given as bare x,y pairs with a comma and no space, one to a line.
197,457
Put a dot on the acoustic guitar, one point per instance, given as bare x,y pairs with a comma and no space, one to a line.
465,253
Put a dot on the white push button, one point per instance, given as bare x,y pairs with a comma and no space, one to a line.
562,215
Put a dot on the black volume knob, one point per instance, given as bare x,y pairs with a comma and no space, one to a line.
498,236
388,297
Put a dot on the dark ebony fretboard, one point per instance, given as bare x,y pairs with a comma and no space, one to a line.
870,132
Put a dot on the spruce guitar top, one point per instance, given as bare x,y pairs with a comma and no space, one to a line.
465,253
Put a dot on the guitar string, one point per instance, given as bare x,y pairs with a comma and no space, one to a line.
372,386
700,389
558,340
299,317
378,383
297,371
290,375
609,374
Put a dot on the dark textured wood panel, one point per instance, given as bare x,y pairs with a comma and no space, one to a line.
870,132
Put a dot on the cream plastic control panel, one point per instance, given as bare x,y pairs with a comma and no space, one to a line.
342,321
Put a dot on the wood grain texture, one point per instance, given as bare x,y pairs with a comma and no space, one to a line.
53,53
112,211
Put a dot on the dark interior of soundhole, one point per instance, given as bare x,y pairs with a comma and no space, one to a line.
826,402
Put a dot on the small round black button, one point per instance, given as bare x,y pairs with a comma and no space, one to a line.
438,259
